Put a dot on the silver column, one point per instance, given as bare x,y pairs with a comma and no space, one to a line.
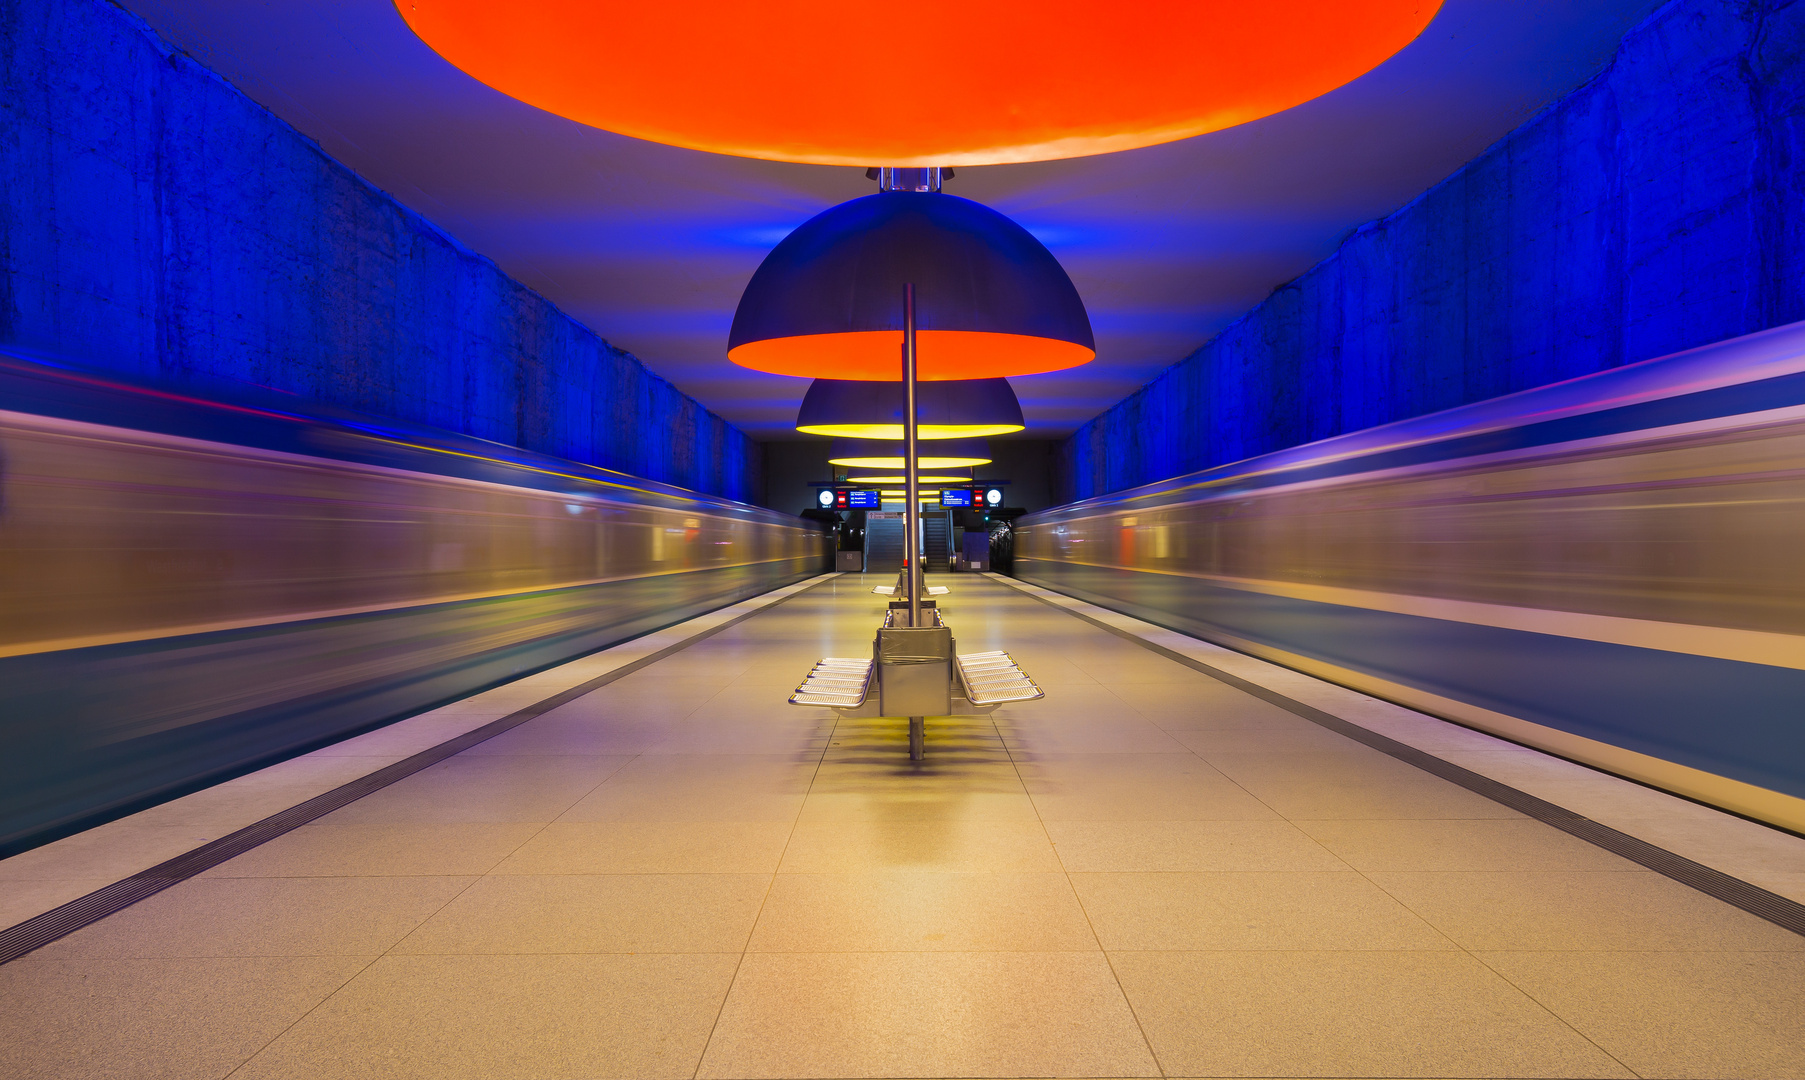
911,494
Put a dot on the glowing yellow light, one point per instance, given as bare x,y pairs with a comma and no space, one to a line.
874,481
924,431
925,461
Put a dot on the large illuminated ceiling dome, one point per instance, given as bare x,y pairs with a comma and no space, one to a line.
877,84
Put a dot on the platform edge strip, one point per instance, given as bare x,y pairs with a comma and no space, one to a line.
40,930
1782,912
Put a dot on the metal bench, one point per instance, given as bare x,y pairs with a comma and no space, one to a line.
993,678
836,682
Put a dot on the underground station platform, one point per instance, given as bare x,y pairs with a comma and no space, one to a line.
1180,861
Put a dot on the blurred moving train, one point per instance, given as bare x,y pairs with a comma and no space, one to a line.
189,588
1610,568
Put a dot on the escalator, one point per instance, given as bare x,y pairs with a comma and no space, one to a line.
883,544
937,541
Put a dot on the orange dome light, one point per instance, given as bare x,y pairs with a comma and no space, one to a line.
871,84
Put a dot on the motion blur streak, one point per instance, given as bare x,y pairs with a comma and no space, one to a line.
175,609
1608,568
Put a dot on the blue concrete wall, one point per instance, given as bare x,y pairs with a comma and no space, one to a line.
1659,207
154,221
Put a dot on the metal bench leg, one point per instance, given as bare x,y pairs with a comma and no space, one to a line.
918,737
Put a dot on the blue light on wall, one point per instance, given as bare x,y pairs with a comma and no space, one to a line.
160,224
1658,208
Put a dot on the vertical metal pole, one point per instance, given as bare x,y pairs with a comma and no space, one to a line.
912,507
911,494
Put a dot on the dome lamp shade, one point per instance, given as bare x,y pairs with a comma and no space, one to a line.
1005,81
990,299
876,454
953,409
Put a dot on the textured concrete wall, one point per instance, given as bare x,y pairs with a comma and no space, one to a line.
1659,207
156,222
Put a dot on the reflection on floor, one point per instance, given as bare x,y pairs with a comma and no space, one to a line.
1147,873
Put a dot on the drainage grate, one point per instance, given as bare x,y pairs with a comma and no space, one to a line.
58,922
1777,909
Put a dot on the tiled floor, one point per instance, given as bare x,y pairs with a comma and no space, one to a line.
1145,874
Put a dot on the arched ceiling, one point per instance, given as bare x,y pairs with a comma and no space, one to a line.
650,245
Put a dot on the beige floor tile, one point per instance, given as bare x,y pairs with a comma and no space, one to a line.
467,709
1791,886
1137,787
1477,845
890,773
214,916
1204,703
151,1019
745,734
1176,678
926,1015
381,851
678,787
1600,797
506,1017
604,718
788,774
111,851
833,847
501,701
22,900
559,737
1292,911
922,912
1111,659
1287,739
1415,798
409,736
1162,766
665,682
1197,846
1209,716
1424,732
1353,765
1677,1014
481,789
1743,847
647,802
895,805
1073,735
1349,1014
651,847
1517,765
1077,702
1580,911
226,807
504,913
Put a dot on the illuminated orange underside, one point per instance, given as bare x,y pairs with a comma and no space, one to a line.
837,83
924,432
876,355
